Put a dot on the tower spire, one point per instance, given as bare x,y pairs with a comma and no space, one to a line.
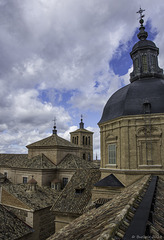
81,124
54,131
142,35
145,56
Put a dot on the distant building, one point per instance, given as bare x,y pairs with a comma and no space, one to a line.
45,157
84,139
30,184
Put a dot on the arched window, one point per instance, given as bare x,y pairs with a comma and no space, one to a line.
73,139
144,63
83,140
86,140
147,107
112,153
83,155
77,140
136,64
89,140
89,157
153,61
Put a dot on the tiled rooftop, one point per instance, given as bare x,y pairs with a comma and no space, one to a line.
41,198
12,227
109,181
71,161
52,141
101,223
157,228
22,161
77,193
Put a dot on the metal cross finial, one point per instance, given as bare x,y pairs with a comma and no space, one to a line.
54,121
81,124
140,12
54,130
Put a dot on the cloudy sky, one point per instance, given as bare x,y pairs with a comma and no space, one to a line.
64,58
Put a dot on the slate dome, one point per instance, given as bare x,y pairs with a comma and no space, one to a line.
145,93
132,99
144,44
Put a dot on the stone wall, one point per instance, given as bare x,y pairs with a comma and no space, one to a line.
27,237
106,193
139,144
86,147
54,154
44,223
43,177
20,213
62,220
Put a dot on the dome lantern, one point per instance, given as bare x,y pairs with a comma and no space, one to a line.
145,56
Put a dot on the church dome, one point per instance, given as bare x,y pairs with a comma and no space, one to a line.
138,97
144,44
145,93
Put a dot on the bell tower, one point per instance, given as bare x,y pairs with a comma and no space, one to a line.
84,139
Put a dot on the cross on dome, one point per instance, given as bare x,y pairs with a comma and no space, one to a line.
54,130
140,12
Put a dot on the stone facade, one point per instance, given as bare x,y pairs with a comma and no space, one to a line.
84,139
16,175
138,140
61,220
54,148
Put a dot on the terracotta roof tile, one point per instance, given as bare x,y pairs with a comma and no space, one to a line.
71,161
52,141
77,193
22,161
157,228
100,223
12,227
32,181
41,198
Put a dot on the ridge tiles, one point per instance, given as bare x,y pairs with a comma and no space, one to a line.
51,141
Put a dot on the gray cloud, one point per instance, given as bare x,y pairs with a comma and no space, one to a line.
59,46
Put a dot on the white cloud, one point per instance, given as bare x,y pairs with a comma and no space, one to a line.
66,134
62,46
